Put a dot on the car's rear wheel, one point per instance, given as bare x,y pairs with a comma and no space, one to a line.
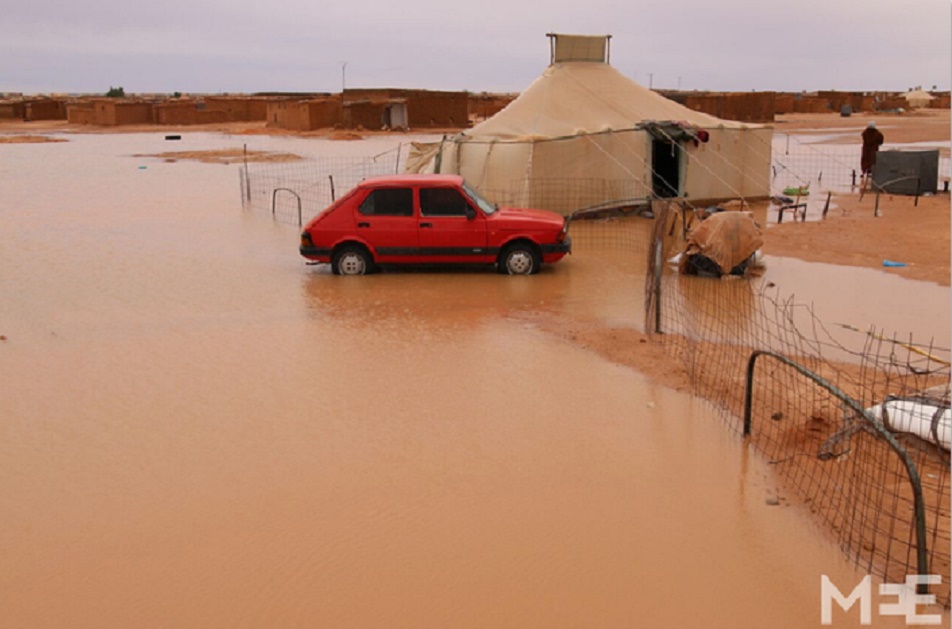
352,260
520,259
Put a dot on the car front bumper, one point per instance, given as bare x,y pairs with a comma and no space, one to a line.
558,247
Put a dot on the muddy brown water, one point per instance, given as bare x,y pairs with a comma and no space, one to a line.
199,430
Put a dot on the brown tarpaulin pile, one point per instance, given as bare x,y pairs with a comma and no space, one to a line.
727,238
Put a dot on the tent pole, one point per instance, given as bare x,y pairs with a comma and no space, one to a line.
439,157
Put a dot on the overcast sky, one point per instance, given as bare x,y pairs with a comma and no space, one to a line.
217,46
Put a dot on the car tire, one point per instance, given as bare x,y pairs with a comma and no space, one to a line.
352,260
520,258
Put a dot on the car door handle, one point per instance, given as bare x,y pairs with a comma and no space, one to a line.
363,224
426,224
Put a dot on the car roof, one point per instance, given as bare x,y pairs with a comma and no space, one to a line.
411,180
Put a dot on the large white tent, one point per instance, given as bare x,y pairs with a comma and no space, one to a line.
584,135
918,98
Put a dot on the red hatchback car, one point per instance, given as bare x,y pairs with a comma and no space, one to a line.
421,219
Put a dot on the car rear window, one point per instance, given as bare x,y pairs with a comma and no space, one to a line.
442,202
388,202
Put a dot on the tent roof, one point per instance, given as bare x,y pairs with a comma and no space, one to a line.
575,98
918,94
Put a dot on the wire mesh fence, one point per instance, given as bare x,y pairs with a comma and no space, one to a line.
807,164
828,167
874,470
572,195
293,192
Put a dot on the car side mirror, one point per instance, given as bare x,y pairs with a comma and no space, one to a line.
470,213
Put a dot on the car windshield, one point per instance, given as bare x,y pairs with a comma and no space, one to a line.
484,205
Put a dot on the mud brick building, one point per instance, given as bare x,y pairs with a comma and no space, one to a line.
304,115
111,112
238,109
424,108
740,106
12,110
45,109
186,112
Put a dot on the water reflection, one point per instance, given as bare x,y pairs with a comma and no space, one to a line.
716,308
863,297
456,296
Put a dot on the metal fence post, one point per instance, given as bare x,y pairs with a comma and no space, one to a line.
274,197
658,268
247,175
919,504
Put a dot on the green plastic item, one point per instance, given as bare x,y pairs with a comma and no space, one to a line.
796,192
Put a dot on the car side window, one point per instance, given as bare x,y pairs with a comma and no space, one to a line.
388,202
442,202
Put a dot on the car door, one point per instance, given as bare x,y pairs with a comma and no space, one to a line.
385,220
451,229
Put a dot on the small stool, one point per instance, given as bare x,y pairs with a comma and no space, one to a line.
799,209
786,203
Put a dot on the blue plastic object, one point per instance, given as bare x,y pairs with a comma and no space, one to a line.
891,263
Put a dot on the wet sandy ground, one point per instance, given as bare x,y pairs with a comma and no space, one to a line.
921,125
915,234
199,430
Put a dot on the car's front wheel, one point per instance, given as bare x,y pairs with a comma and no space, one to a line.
520,259
352,260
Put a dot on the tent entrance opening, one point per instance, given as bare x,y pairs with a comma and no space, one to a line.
665,168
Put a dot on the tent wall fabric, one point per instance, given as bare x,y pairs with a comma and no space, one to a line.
583,133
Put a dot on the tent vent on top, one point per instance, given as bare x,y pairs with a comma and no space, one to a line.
578,48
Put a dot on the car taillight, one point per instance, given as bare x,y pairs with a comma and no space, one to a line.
565,230
306,240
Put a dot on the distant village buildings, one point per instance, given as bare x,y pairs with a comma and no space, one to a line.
32,109
393,108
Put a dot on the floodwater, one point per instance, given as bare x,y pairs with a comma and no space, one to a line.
199,430
862,297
